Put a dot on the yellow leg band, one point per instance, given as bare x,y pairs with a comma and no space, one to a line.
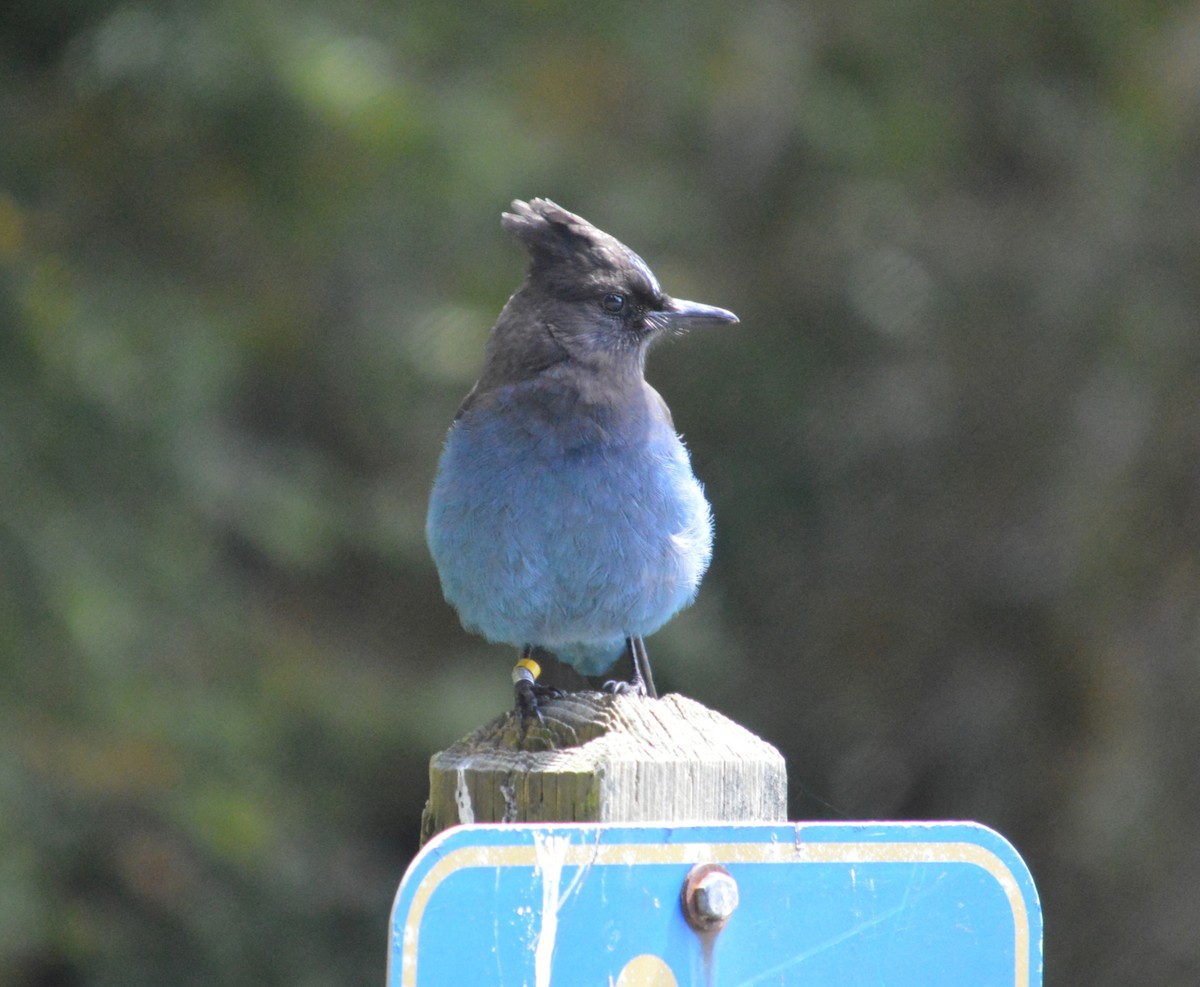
527,669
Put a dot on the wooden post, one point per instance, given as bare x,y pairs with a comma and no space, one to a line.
605,758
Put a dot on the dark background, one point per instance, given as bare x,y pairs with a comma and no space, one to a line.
249,254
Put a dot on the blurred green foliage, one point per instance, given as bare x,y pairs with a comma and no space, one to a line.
249,254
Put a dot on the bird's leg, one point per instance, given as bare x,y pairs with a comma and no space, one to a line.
641,683
641,666
524,675
525,685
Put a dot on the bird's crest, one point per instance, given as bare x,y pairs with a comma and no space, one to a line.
556,238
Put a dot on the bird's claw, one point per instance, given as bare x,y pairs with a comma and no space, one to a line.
527,703
528,691
615,687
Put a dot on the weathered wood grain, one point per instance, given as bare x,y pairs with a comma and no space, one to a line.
605,758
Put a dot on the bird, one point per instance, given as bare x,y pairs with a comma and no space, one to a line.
565,516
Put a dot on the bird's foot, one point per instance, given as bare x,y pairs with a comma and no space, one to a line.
527,703
641,683
527,690
617,688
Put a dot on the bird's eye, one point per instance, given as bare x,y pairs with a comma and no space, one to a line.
613,304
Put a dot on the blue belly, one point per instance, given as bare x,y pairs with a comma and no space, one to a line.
571,546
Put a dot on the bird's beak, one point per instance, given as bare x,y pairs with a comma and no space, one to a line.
688,315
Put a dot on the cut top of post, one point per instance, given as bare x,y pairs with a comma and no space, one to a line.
605,758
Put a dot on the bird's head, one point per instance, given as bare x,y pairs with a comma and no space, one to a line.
598,300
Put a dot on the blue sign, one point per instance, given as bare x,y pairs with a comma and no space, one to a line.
584,905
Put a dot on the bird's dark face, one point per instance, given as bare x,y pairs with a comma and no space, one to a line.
595,298
611,302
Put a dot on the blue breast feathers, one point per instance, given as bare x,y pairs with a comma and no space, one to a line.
569,538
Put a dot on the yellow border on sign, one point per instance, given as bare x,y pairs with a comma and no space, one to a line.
593,854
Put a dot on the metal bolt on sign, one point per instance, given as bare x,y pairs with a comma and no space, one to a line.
710,896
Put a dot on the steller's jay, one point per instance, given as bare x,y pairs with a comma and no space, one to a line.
565,515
